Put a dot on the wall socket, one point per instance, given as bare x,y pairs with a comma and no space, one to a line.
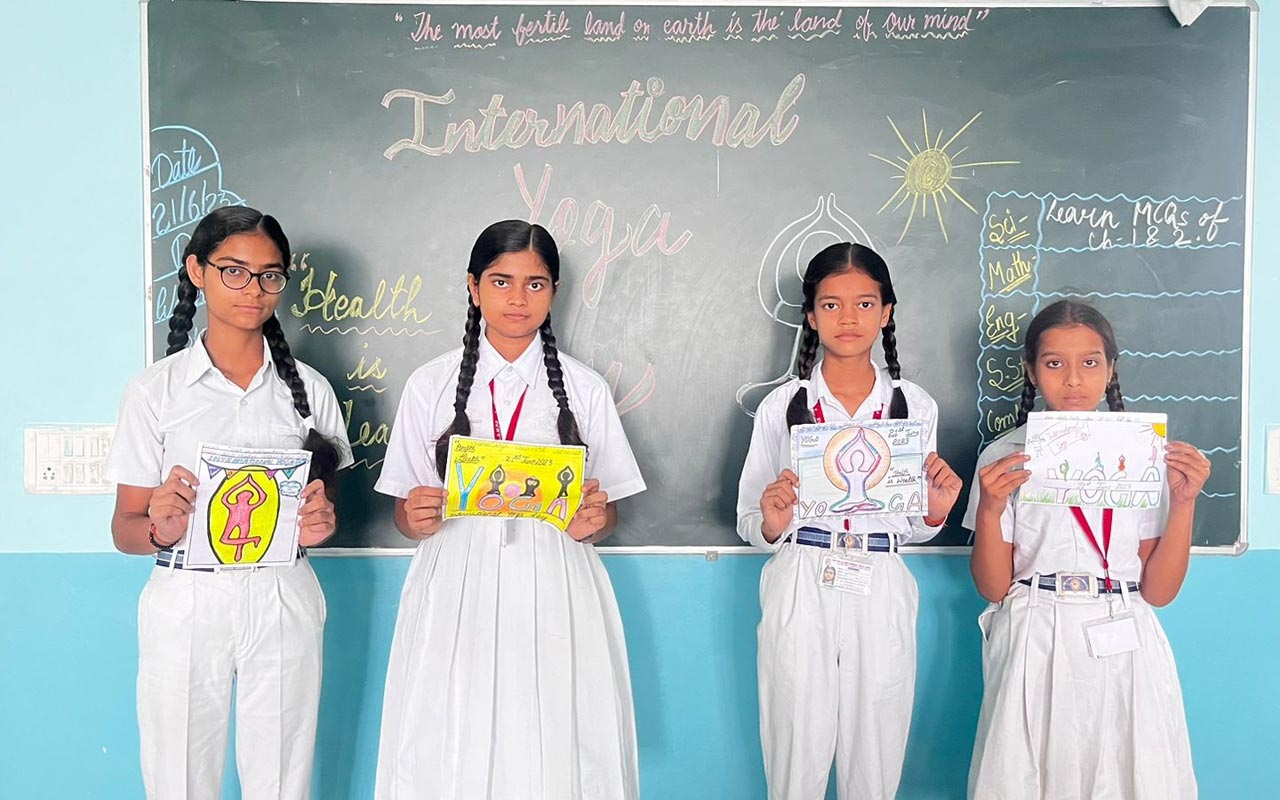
67,459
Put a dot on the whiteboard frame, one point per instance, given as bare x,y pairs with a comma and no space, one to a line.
713,553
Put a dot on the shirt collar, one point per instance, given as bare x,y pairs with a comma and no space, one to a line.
878,398
491,363
199,362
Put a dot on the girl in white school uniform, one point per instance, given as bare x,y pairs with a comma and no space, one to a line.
836,669
1057,722
508,674
202,632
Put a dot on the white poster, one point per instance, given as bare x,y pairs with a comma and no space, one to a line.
862,468
1095,459
246,509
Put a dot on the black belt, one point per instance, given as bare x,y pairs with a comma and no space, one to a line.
845,540
1079,585
172,559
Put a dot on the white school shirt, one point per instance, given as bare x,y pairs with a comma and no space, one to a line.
426,409
183,399
770,453
1047,539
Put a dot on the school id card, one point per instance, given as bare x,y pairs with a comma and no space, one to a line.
846,574
1111,636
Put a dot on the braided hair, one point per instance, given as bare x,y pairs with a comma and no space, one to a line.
1066,313
566,423
209,234
495,241
837,259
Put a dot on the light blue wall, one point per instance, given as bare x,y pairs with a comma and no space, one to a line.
67,660
70,263
1264,365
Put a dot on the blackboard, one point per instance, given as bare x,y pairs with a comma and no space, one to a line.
689,161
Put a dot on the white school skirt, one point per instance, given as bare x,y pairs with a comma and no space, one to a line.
1058,723
508,675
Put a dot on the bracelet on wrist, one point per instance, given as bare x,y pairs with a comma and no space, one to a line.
151,537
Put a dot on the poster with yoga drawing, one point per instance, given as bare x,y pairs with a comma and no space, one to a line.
247,506
488,478
1095,459
864,468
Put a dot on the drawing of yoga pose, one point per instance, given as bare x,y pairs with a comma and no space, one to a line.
857,462
239,513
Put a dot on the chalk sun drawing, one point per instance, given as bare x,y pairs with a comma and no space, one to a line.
926,174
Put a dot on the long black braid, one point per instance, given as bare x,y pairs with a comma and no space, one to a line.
461,424
799,411
566,423
889,342
1115,400
286,367
184,312
1028,398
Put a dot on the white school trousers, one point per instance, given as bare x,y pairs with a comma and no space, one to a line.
837,677
201,633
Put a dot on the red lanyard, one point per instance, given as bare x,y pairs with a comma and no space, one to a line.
515,416
818,416
1093,540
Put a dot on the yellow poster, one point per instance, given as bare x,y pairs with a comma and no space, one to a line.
487,478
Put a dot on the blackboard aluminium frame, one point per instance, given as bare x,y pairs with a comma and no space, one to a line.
713,553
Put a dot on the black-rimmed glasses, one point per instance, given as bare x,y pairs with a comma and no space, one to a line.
237,277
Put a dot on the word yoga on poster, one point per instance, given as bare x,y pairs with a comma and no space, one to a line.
1095,459
867,468
247,506
488,478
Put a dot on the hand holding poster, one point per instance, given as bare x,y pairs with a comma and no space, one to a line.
246,508
489,478
862,468
1111,459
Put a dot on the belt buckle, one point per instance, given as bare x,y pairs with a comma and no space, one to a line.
1075,584
854,541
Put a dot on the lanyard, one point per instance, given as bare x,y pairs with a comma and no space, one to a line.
515,416
1093,540
818,416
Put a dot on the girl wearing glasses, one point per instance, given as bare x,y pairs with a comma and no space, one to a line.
200,632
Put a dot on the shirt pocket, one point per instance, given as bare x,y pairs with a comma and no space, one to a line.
276,435
177,416
544,426
481,426
182,429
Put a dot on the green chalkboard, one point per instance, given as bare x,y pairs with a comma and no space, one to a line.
689,161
